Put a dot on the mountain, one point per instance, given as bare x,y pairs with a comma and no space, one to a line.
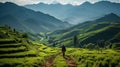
78,13
109,18
56,10
106,28
25,19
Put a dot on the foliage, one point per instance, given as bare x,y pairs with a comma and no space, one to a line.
95,58
25,35
75,41
17,51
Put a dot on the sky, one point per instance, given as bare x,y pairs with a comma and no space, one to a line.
73,2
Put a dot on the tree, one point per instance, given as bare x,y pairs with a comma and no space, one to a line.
97,47
14,30
24,35
54,44
75,41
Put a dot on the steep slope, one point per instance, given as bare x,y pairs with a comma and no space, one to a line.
58,10
88,32
14,46
109,18
79,13
89,25
28,20
100,36
16,50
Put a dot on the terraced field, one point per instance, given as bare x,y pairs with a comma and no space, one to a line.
10,51
18,54
16,50
75,57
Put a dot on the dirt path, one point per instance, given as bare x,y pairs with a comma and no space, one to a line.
50,60
70,62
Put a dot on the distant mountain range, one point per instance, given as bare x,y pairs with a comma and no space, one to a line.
25,19
106,28
77,14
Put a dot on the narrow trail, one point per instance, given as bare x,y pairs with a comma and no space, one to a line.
70,62
50,60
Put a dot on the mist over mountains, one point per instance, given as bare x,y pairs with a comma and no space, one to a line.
77,14
25,19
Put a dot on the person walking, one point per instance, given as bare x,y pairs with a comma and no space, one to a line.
63,50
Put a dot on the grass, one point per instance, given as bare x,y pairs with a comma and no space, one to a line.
15,59
59,62
13,49
26,61
20,53
46,52
11,45
16,51
95,58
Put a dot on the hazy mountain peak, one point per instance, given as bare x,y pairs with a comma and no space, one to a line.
86,3
9,3
112,17
80,13
103,2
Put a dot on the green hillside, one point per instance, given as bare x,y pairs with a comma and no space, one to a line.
97,32
93,33
95,58
17,50
88,26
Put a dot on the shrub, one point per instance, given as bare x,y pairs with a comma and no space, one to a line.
24,35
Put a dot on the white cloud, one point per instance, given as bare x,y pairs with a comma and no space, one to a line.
74,2
21,2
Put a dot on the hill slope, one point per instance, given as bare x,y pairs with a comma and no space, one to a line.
104,29
17,50
28,20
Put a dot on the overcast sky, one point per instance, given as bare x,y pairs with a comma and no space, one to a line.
74,2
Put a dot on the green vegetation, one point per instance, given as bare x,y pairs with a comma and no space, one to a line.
95,58
89,32
16,50
59,62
